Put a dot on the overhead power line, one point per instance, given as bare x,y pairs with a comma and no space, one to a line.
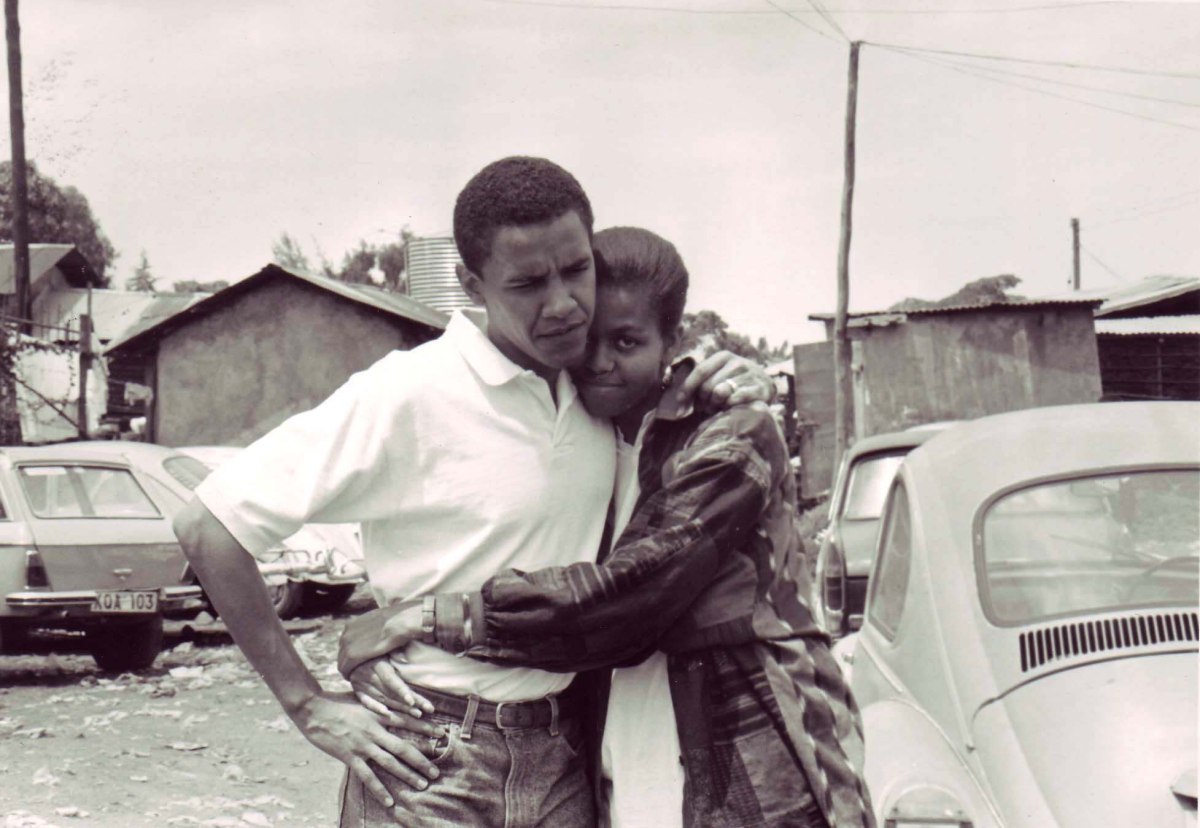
828,18
1096,259
1145,213
1059,63
1009,10
803,23
1170,200
973,72
564,4
1104,90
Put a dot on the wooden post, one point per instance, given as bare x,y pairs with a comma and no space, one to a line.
85,365
20,185
843,382
1075,250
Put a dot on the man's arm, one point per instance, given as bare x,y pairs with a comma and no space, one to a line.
587,615
338,725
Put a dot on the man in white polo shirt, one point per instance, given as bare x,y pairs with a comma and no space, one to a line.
464,456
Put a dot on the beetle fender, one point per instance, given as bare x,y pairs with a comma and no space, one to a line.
906,751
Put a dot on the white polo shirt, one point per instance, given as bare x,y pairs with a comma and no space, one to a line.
458,464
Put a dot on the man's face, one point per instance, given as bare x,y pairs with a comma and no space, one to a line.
539,288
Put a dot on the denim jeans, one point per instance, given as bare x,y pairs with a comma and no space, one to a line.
491,778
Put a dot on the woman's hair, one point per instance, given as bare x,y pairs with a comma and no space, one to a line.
512,192
631,257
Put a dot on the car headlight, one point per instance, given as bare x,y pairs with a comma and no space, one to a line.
927,806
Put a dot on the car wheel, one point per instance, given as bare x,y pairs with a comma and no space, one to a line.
327,597
14,637
119,647
287,598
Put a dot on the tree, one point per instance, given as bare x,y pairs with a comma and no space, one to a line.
361,265
357,265
985,291
142,279
707,332
192,286
57,215
289,255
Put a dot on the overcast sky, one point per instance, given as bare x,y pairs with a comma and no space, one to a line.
201,131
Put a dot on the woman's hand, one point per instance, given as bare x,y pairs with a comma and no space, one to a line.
360,739
378,687
377,633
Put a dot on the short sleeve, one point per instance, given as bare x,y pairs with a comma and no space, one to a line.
331,464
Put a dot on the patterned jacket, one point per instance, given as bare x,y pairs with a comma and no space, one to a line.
709,570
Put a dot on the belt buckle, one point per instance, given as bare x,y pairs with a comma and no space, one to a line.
520,711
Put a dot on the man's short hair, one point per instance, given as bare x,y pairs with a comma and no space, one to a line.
511,192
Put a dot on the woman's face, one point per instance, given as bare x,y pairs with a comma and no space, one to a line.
622,373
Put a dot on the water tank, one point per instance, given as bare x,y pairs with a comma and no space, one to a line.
430,265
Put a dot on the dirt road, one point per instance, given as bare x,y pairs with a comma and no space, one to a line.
197,739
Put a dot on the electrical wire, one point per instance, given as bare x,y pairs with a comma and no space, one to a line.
828,18
973,73
803,23
1043,7
1088,87
1096,259
1059,63
1145,213
562,4
1166,200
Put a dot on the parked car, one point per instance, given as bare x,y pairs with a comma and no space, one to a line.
855,506
86,545
1029,651
317,568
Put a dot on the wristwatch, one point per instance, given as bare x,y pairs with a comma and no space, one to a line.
429,619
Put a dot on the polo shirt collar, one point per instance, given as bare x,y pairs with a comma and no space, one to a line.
466,331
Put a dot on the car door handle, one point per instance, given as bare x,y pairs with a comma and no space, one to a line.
123,572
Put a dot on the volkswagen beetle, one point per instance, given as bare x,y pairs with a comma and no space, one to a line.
1029,650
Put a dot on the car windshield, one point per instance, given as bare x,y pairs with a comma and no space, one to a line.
84,492
1096,543
870,479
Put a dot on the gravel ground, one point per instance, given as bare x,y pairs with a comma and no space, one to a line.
196,739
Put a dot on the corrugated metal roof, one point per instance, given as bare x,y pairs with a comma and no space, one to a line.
117,314
380,300
1024,304
1148,290
42,258
1149,326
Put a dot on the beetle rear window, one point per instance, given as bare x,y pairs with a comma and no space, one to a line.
1104,542
64,491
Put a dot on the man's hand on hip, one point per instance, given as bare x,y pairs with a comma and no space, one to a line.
338,725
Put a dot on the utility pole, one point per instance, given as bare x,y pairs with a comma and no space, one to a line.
1075,250
19,195
843,381
85,366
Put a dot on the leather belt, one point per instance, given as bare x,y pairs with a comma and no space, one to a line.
504,715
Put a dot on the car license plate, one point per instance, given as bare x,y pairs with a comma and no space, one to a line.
142,601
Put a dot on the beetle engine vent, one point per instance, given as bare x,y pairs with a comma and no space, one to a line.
1039,647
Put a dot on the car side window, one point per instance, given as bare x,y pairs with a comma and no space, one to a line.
84,492
889,584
